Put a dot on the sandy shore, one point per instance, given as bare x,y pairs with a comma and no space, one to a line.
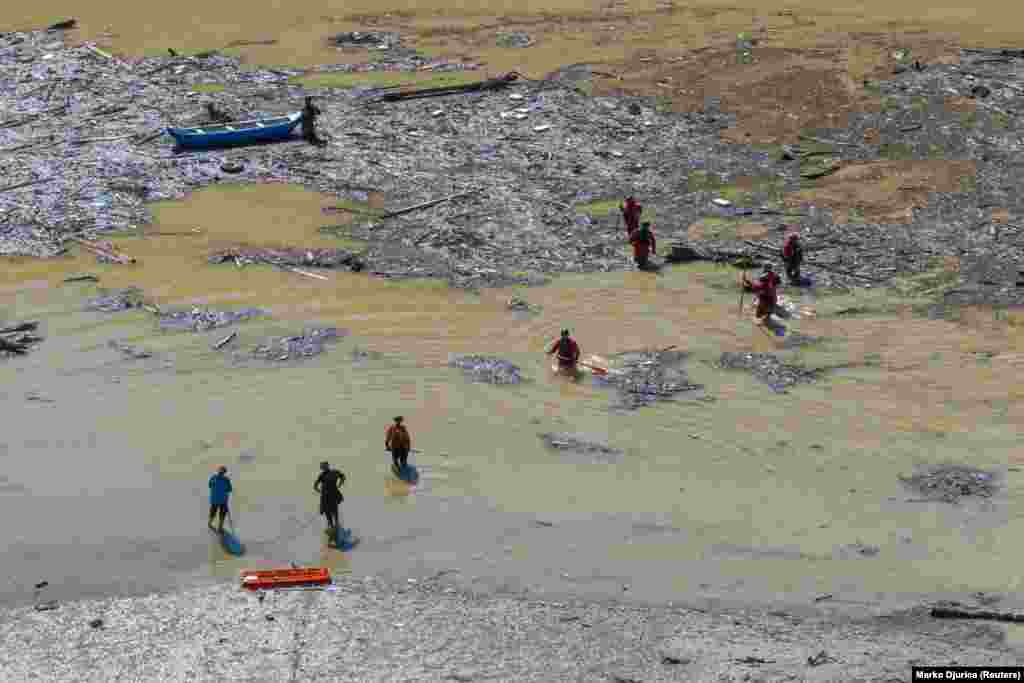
363,630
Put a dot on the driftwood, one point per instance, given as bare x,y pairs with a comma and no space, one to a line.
102,251
967,613
479,86
21,327
427,205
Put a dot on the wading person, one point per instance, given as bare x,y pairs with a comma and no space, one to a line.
644,244
631,214
792,257
766,289
568,352
309,113
220,491
398,441
328,485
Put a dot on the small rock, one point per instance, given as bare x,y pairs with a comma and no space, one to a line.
675,660
818,659
634,109
231,167
980,92
96,623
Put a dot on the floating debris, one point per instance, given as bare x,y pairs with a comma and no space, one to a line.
514,39
117,300
769,369
316,258
129,351
310,343
199,319
17,339
644,377
579,445
487,369
950,483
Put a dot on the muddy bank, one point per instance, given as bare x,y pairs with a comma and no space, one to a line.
530,175
430,632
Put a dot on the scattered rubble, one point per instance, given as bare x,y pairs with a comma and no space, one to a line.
769,369
199,319
950,483
644,377
310,343
579,445
487,369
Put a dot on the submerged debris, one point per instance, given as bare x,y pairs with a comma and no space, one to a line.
487,369
643,377
769,369
317,258
199,319
116,300
950,483
578,445
129,351
310,343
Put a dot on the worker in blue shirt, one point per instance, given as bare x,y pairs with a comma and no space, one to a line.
220,490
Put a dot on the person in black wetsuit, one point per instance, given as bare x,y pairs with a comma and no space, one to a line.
328,485
309,113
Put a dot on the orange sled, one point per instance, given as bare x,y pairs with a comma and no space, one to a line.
284,578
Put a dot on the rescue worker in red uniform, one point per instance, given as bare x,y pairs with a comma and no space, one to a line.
631,214
568,351
767,290
643,244
793,256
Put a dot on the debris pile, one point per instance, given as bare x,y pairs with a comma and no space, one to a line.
544,161
112,301
198,319
579,445
317,258
769,369
17,339
644,377
310,343
950,483
487,369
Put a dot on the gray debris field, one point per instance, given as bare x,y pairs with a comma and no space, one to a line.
950,483
311,342
769,368
487,369
198,319
371,631
643,377
582,446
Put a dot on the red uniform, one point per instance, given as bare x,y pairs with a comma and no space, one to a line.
766,289
641,247
631,215
568,351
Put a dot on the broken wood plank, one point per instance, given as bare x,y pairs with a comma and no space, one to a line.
479,86
427,205
110,139
224,341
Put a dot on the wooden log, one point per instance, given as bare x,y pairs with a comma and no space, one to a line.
102,251
224,341
480,86
427,205
27,183
962,613
28,326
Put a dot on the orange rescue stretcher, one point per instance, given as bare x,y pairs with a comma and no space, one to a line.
285,578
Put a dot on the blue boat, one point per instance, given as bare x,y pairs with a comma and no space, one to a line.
236,132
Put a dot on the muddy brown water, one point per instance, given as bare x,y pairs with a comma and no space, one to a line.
752,496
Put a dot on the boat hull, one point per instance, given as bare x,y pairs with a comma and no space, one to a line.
235,134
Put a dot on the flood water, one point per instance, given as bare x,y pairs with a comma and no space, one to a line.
747,495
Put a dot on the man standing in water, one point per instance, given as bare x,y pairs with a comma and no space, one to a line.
309,113
766,289
568,351
220,490
644,244
398,441
328,485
